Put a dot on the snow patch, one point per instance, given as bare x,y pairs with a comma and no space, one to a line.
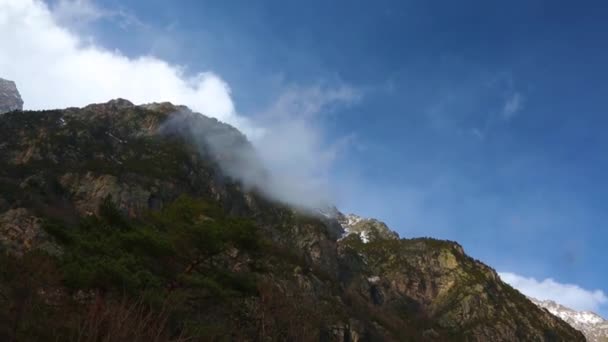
373,279
364,236
352,219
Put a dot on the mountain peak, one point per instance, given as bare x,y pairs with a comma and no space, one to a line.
10,99
120,103
592,325
367,228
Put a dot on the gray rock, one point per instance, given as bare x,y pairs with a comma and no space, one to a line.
10,99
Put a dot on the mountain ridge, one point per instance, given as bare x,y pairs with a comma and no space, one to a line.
592,325
84,188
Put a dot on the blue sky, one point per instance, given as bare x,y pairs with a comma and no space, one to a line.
475,121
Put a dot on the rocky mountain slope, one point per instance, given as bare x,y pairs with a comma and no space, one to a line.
591,324
10,99
367,229
119,222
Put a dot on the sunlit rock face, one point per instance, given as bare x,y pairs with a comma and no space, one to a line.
10,99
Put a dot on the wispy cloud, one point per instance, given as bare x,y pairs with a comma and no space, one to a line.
478,133
81,11
298,101
78,13
570,295
476,107
512,105
295,144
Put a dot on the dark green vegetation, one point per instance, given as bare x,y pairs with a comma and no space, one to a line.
177,256
118,224
110,253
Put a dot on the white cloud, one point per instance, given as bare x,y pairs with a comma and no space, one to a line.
55,67
512,105
569,295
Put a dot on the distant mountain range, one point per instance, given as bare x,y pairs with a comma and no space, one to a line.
592,325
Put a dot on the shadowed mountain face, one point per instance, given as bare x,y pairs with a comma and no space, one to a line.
121,222
9,97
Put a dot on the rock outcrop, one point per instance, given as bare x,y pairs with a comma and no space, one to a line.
10,99
428,280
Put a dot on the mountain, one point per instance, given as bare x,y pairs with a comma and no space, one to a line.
128,223
367,229
10,99
591,324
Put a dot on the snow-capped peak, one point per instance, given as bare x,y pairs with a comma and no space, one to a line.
368,229
352,219
592,325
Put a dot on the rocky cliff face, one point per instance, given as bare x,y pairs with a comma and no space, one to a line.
591,324
10,99
122,200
